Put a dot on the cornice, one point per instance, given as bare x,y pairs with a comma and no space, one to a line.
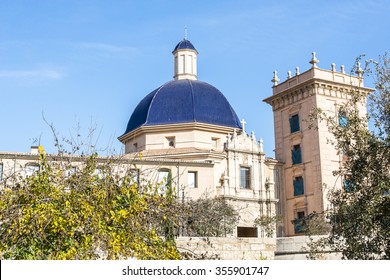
175,127
121,159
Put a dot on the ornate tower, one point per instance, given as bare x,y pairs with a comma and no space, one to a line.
308,159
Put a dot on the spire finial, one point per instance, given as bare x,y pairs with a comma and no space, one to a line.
275,80
359,71
261,144
314,60
185,32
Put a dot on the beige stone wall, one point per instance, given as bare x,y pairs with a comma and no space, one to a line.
229,248
296,248
309,169
187,135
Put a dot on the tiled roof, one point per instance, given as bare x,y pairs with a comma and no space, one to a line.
184,44
183,101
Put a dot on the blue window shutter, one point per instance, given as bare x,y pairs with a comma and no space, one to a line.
299,222
296,154
343,119
294,124
348,185
298,227
298,186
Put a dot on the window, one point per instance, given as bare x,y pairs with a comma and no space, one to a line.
294,123
135,147
299,221
31,169
1,171
343,119
245,177
348,184
298,186
296,154
171,142
192,179
214,143
183,65
176,65
99,172
247,232
191,66
134,176
70,171
163,180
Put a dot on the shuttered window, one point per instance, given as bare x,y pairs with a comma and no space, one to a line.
343,119
348,184
294,123
298,186
299,222
296,154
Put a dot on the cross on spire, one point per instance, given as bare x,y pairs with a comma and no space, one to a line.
243,123
185,32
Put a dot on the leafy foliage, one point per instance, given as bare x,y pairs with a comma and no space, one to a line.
268,223
89,210
208,217
313,224
81,216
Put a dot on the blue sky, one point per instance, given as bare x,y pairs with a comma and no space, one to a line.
91,62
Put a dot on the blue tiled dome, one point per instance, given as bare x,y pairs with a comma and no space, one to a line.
184,44
183,101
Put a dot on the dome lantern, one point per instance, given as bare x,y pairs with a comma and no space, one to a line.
185,66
